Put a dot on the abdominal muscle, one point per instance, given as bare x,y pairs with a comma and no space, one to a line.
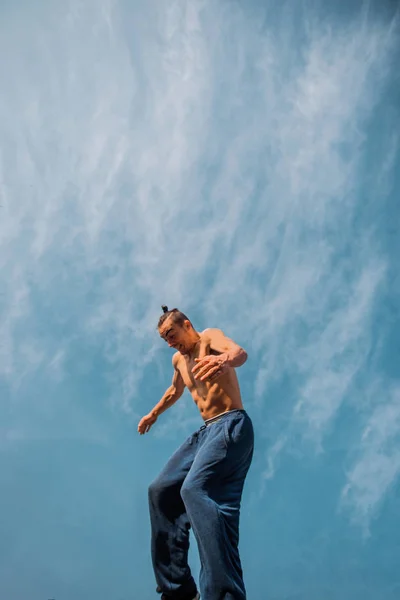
213,398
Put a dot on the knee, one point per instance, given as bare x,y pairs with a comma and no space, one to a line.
162,491
155,490
190,492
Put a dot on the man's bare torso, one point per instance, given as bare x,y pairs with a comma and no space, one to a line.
212,398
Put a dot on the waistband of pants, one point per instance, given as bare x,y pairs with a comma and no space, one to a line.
209,422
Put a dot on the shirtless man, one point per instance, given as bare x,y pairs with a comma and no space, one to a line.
201,485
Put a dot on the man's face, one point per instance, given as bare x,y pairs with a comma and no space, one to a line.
176,336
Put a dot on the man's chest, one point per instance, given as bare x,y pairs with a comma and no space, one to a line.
187,363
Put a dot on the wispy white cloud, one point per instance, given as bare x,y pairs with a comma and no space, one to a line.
326,364
56,365
335,355
273,453
377,464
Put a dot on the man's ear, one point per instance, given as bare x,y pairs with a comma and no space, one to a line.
187,324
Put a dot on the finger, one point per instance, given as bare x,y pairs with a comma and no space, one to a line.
202,362
207,367
212,371
216,371
215,375
202,371
204,375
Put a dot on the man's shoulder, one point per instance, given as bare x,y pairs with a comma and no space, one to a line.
209,332
176,358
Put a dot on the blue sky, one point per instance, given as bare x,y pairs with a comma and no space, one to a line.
239,160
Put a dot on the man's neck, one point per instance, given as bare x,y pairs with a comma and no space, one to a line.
195,340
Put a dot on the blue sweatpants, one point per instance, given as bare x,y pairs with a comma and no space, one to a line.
201,487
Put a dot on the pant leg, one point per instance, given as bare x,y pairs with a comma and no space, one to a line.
170,525
212,494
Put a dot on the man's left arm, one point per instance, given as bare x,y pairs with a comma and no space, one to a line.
229,355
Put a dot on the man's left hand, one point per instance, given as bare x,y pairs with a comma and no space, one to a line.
210,367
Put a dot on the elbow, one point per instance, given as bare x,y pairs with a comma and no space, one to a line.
171,395
244,355
176,392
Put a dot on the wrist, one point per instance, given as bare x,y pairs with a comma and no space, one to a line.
226,359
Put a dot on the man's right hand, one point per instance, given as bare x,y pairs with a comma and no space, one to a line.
145,423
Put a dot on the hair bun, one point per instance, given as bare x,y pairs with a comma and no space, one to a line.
164,308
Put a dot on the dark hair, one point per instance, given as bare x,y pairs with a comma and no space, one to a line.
176,315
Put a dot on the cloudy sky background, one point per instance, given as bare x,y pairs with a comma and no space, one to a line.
239,160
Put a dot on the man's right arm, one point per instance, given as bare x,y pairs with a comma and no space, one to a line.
172,394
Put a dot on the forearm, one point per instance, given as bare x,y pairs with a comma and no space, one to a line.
168,399
236,358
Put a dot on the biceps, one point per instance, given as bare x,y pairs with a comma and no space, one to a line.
221,343
177,382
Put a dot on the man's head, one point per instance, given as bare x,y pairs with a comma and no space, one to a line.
176,329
